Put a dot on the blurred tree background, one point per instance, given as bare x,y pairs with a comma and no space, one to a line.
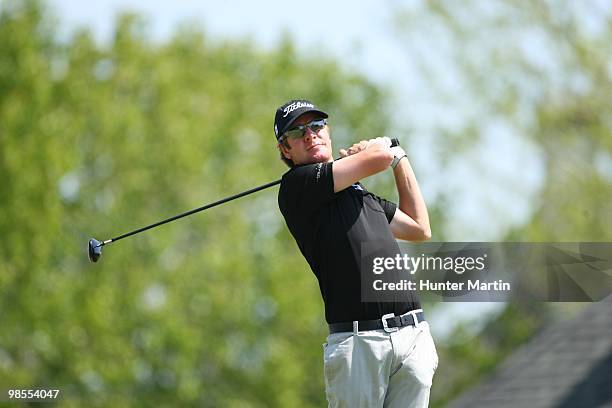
220,309
540,72
216,310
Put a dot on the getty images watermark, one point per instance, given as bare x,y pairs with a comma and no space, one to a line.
412,265
488,271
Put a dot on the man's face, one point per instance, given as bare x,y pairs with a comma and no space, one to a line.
314,147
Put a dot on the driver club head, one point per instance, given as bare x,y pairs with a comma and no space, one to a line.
94,250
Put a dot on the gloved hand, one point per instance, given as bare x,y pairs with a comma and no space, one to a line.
398,154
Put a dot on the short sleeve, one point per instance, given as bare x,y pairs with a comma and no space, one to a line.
310,185
388,207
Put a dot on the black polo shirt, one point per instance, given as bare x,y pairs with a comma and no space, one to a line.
329,229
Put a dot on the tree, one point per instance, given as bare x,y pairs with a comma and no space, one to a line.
215,310
539,72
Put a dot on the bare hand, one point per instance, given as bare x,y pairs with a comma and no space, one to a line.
356,148
364,144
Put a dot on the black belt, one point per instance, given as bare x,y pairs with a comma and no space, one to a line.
388,323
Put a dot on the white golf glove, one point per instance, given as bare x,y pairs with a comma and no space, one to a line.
398,154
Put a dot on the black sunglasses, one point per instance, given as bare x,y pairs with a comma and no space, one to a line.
298,132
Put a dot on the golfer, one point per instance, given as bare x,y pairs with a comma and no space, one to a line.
378,354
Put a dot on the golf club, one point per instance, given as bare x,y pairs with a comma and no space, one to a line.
94,247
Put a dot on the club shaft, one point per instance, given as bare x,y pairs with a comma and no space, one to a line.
195,210
394,142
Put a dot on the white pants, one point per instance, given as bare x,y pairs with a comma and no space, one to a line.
379,369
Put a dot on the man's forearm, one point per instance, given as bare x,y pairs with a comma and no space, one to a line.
411,200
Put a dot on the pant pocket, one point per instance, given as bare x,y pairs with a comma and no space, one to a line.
336,356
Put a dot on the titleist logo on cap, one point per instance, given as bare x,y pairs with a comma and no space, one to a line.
296,105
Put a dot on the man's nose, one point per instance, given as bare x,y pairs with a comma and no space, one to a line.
308,134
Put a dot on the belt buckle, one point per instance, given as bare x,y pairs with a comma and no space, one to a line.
386,325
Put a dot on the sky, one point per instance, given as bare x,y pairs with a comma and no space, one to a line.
347,32
330,27
361,35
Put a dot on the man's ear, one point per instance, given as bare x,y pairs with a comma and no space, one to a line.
286,152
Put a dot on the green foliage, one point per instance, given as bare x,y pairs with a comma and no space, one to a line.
465,359
216,310
542,70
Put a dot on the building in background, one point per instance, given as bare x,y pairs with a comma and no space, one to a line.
567,365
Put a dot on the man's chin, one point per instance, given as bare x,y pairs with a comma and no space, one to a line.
320,157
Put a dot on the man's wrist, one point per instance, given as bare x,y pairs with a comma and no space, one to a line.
397,159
